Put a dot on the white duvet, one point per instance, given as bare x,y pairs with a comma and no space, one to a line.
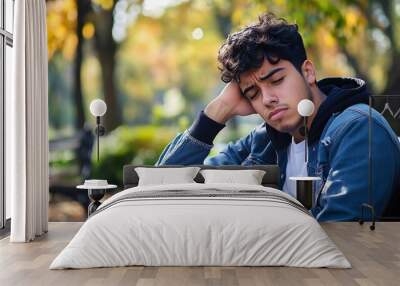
207,230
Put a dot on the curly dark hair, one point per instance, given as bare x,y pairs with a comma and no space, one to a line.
271,38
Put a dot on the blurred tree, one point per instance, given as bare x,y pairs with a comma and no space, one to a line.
106,49
67,24
382,24
62,41
83,8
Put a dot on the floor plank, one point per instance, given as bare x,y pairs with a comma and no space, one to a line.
374,255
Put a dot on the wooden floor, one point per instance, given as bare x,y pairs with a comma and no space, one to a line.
374,255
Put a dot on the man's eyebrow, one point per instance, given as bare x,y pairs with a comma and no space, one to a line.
271,73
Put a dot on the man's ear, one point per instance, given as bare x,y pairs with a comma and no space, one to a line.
308,71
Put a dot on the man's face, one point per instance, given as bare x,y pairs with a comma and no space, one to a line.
274,92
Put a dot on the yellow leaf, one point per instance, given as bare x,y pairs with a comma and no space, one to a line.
105,4
88,30
69,46
351,18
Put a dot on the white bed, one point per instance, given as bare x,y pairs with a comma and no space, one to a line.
201,224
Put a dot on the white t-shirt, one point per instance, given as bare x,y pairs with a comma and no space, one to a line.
296,166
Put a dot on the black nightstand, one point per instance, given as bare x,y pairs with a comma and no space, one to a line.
96,193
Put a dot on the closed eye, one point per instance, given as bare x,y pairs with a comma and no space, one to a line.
278,81
254,96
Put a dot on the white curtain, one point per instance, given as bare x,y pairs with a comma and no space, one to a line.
26,124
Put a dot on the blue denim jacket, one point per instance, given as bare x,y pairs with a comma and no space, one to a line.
338,154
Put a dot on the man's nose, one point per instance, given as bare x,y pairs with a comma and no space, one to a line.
269,99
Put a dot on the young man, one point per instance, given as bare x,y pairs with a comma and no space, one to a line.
268,73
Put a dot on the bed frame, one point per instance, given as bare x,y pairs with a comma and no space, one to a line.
270,179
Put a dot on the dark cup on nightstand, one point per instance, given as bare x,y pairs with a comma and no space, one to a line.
305,190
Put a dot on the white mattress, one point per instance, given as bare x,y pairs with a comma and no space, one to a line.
190,230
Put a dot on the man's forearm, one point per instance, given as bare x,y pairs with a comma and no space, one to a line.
218,111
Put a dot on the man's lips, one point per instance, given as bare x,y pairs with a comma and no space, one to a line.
276,111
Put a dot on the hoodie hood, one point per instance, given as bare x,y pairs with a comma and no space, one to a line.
340,94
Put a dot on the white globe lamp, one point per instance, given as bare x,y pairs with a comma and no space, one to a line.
98,108
305,108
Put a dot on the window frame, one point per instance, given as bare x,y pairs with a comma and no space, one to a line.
6,39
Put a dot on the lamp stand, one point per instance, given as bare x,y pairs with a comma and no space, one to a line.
100,131
305,139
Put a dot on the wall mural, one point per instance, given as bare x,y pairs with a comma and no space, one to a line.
389,107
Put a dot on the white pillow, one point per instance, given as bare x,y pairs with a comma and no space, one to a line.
249,177
163,176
